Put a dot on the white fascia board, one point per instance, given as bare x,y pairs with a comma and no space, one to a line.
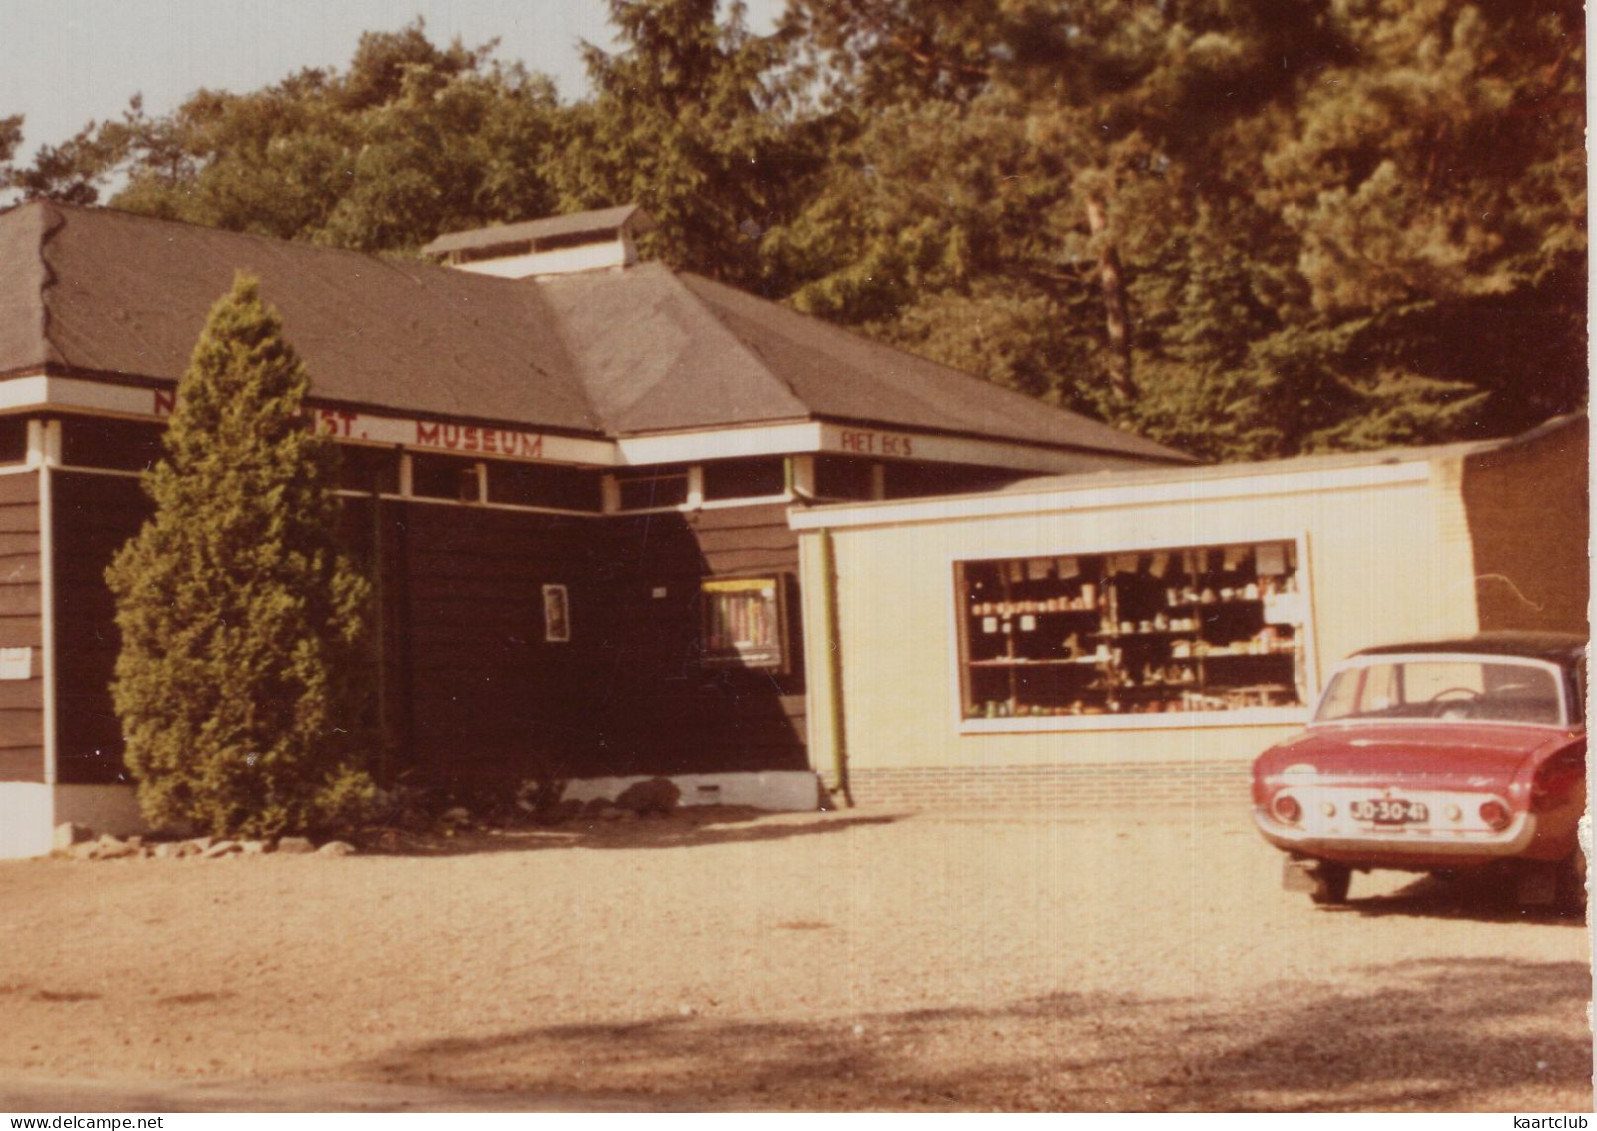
719,443
388,429
39,391
440,434
1104,495
846,440
880,443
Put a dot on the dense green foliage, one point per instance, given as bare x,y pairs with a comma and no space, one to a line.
238,681
1245,227
691,122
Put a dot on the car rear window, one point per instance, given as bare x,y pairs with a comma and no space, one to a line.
1449,688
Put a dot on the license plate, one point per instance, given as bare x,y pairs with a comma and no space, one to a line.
1391,811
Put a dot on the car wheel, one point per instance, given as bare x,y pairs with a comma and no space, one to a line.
1572,881
1330,883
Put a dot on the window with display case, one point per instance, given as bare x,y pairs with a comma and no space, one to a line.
743,622
1195,629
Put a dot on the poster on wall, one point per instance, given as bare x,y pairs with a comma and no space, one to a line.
556,615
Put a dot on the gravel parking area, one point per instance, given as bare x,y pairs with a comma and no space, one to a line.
815,961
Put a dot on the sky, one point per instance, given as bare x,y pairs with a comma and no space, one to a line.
65,62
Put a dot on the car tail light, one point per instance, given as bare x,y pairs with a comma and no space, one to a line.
1286,807
1555,779
1495,814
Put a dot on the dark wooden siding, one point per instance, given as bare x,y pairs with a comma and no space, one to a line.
665,711
93,516
1530,521
474,690
470,687
21,701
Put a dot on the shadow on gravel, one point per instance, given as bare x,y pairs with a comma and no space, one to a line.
1434,1035
687,828
1440,1035
1483,898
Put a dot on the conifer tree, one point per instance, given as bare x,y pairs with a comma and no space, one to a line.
238,683
691,119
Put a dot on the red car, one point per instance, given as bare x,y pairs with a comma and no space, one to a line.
1437,757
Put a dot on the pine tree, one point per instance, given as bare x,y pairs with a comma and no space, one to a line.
690,118
238,683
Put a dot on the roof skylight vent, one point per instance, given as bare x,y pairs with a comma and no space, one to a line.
558,245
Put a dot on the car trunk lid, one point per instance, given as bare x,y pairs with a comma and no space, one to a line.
1472,756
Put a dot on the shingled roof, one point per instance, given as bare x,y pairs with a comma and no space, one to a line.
110,293
610,353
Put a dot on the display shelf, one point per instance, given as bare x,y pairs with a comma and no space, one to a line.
1273,653
1200,611
1187,633
1024,662
1096,611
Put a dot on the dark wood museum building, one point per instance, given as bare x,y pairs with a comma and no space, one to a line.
568,473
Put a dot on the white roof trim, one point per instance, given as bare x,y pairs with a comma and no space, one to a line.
435,432
1101,493
863,442
396,429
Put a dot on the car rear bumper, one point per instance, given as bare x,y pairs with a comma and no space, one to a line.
1405,846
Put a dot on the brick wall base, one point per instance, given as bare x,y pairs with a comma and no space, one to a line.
1052,786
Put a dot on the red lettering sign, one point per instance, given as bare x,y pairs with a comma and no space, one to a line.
470,438
464,437
334,423
874,443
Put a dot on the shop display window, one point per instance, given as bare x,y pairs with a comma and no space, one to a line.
743,622
1197,629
